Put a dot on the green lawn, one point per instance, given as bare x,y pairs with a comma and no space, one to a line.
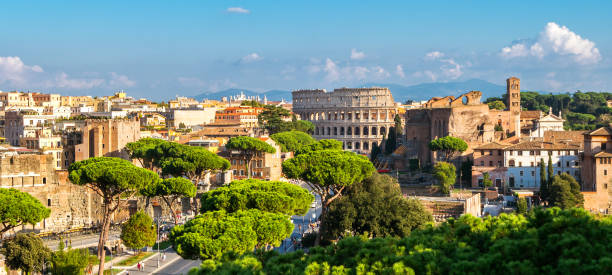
162,245
115,271
135,259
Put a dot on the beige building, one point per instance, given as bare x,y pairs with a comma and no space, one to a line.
10,99
244,115
597,170
77,101
21,124
99,137
189,117
266,166
359,117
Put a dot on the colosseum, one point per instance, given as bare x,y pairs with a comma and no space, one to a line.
359,117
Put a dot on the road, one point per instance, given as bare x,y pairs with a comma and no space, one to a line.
181,266
83,241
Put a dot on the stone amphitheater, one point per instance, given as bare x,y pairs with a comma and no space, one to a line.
359,117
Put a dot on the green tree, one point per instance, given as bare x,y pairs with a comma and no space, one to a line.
139,231
399,130
521,206
112,179
324,144
170,190
303,126
143,150
551,171
565,192
182,125
69,261
251,103
375,152
486,180
445,174
243,216
25,252
497,105
273,119
544,188
292,141
448,145
391,142
249,146
375,207
268,196
19,208
328,173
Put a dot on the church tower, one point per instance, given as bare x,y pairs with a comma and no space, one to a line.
514,94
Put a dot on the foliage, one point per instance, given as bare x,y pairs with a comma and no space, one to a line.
249,146
139,231
182,125
521,206
269,196
324,144
18,208
551,172
25,252
328,172
391,141
212,234
544,188
448,146
486,180
251,103
112,179
398,125
69,261
292,141
445,174
302,126
274,119
374,152
565,192
170,190
545,241
497,105
143,150
375,207
132,260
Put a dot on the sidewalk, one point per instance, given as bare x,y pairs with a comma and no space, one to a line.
151,263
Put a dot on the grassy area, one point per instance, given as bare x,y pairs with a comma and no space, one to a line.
114,270
135,259
162,245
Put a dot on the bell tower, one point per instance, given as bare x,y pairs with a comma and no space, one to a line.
513,87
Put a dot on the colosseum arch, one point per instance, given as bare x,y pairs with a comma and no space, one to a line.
335,131
366,146
357,145
357,132
349,131
365,131
342,131
374,131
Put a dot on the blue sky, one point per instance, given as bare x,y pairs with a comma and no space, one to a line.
159,49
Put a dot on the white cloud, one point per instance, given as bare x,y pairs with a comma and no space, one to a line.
399,70
337,73
434,55
252,57
13,70
331,70
356,55
120,81
62,80
379,72
238,10
555,40
451,69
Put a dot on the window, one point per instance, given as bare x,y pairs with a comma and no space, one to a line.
510,153
531,153
532,164
481,163
48,202
521,173
520,164
567,163
499,152
490,163
605,172
520,153
499,163
511,163
533,173
44,180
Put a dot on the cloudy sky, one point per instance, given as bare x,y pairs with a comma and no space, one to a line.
160,49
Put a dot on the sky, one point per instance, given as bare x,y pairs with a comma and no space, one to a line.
160,49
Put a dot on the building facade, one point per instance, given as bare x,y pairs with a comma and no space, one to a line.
359,117
265,166
244,115
597,170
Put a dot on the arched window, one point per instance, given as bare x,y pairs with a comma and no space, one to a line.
349,145
335,131
328,131
357,145
511,163
342,131
317,131
357,132
366,146
365,131
349,131
383,131
374,130
44,180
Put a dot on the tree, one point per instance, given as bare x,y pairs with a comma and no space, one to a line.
374,152
466,171
497,105
521,206
273,118
292,141
246,215
143,150
303,126
192,162
112,179
551,171
249,146
324,144
486,180
398,126
544,188
25,252
375,207
448,146
251,103
69,261
445,173
139,231
565,192
328,172
182,125
170,190
268,196
19,208
391,141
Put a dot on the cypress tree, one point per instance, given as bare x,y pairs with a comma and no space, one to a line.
544,188
551,172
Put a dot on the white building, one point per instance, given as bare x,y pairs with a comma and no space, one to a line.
547,123
523,159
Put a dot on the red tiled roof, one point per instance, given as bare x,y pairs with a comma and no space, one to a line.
530,114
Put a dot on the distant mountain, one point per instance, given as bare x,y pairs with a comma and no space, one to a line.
400,93
426,91
274,95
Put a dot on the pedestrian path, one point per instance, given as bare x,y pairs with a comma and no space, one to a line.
150,264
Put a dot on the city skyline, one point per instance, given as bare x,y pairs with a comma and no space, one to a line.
158,49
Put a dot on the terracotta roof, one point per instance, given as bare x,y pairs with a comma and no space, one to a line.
603,155
530,114
603,131
402,149
574,136
543,145
492,145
